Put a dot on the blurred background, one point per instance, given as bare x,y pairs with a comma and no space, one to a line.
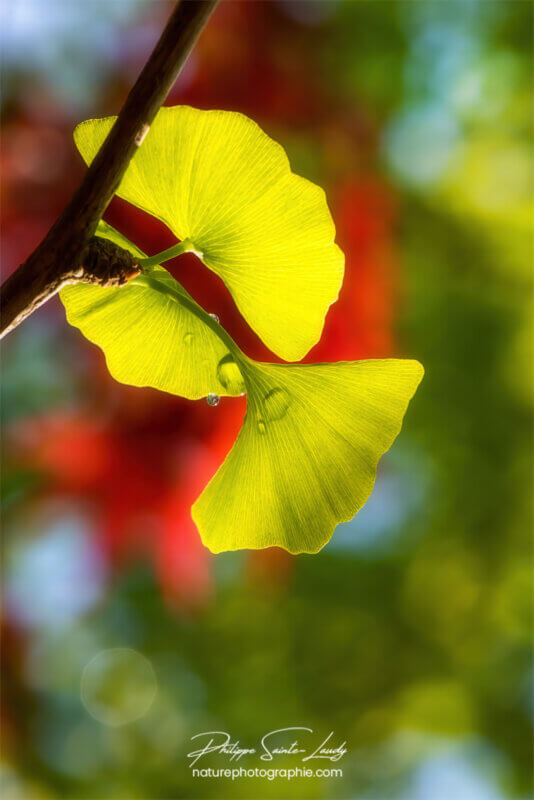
409,634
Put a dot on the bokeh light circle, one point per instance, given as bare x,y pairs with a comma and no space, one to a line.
118,686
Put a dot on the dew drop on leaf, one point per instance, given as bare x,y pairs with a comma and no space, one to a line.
215,317
275,404
188,338
261,425
230,375
213,399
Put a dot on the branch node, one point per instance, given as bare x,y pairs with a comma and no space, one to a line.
104,263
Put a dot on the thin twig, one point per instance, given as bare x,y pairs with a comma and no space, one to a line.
59,257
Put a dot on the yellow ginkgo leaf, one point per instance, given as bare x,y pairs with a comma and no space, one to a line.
216,178
306,456
153,333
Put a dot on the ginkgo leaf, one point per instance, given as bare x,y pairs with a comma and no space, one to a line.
307,454
216,178
153,333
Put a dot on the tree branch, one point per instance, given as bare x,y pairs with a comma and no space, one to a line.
62,256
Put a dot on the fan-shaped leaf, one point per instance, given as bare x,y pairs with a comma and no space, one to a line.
216,178
153,333
307,454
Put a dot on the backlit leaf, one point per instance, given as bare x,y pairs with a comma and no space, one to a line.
216,178
153,333
307,454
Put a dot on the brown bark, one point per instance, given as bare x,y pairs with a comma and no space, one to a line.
63,255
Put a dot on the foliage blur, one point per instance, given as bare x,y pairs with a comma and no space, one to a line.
409,635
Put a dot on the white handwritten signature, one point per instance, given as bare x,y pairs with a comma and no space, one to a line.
272,744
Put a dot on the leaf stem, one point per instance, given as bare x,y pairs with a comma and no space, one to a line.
186,246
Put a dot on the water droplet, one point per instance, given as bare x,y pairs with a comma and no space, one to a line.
215,317
275,404
213,399
261,425
230,375
188,338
